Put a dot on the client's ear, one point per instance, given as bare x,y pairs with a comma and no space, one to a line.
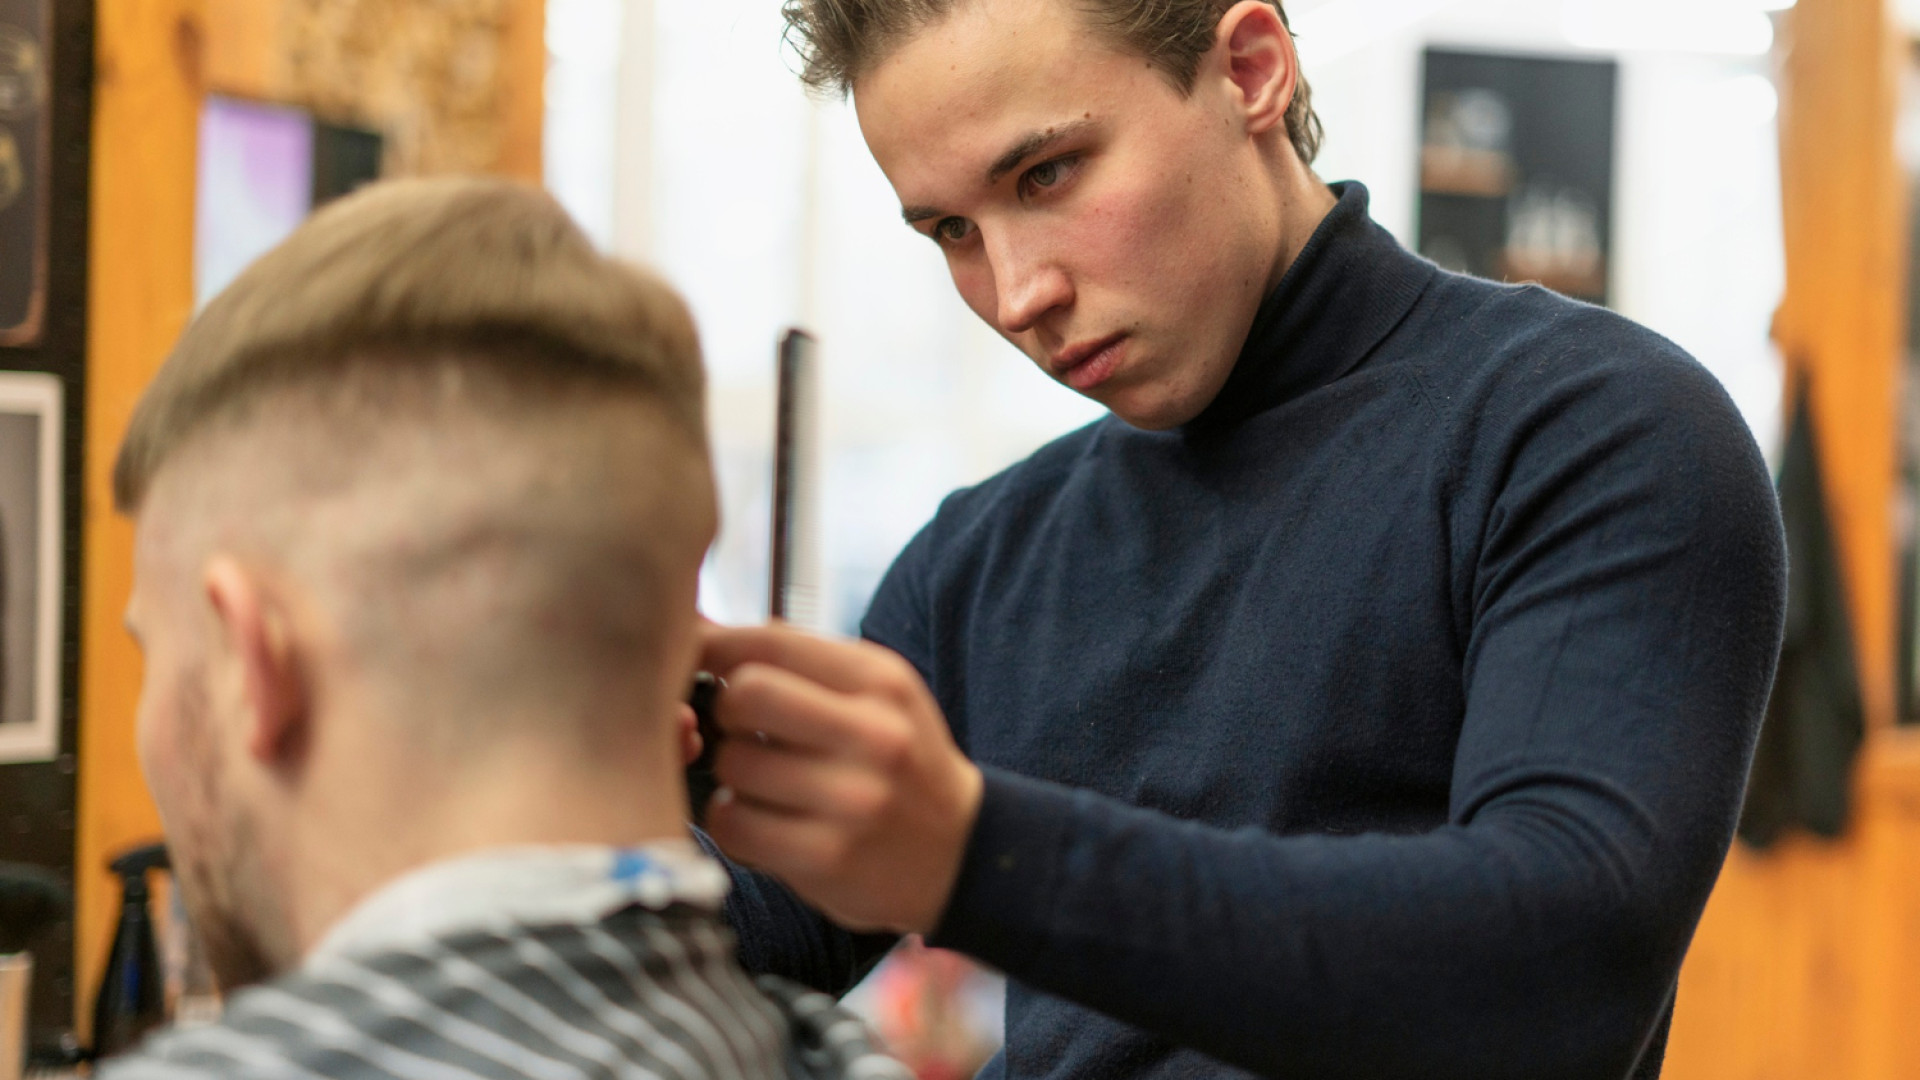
260,641
691,744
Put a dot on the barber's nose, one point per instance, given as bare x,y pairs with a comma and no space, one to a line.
1030,285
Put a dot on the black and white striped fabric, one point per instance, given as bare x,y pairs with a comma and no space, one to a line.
646,992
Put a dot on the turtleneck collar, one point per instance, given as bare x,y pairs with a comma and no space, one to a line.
1349,287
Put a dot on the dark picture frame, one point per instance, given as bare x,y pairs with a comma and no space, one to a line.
26,93
37,798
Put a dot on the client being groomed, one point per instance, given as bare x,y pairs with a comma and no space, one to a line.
420,504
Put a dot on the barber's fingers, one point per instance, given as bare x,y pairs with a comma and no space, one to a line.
791,709
850,667
777,778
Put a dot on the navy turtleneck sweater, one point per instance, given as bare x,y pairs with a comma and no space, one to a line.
1388,720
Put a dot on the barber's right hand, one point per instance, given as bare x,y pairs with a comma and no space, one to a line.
841,777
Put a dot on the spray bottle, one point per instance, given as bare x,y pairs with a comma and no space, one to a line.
132,997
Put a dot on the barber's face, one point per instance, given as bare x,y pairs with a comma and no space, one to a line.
1097,218
187,734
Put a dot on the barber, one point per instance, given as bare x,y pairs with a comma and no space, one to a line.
1369,695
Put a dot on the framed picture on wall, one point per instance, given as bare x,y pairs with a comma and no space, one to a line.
26,79
1516,168
30,557
263,169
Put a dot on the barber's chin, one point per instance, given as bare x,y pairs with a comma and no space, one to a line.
1144,408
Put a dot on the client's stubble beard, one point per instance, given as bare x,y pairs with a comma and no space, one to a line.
216,856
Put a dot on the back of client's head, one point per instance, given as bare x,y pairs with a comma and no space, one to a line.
421,501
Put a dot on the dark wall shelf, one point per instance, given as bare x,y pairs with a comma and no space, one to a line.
1516,168
37,799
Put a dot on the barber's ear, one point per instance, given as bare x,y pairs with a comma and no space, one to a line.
1262,64
259,639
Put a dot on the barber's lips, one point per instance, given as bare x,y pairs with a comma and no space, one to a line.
1085,368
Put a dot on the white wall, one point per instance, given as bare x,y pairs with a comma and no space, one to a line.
764,207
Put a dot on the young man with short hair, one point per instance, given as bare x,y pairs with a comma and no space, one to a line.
420,504
1370,695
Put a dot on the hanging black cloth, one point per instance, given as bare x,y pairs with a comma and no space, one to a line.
1814,725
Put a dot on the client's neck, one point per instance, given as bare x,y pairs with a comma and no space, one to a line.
536,797
402,815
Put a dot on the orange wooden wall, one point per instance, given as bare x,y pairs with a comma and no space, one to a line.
524,73
1807,965
156,60
140,288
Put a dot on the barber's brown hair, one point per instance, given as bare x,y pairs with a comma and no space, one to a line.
421,269
840,40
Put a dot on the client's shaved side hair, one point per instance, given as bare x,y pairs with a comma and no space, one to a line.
475,444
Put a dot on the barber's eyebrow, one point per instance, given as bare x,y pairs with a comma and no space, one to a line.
1029,146
1032,145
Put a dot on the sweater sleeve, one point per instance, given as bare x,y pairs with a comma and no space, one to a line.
780,935
1623,613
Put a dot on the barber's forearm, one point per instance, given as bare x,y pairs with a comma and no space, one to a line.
1527,944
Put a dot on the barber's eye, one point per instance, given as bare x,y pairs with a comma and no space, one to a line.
1048,175
953,229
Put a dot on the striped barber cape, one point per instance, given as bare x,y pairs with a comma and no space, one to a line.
527,964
